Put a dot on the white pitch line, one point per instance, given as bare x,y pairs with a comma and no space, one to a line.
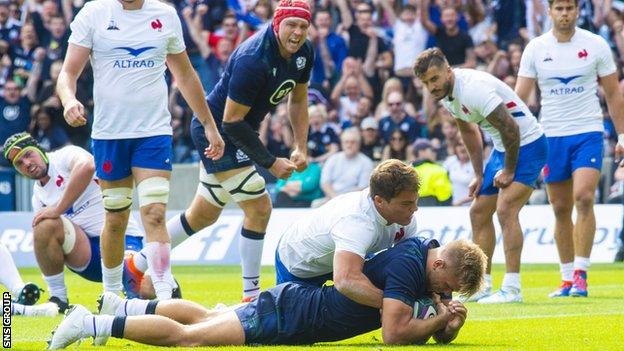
538,316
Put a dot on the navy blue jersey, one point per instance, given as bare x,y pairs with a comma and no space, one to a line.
306,314
318,141
257,76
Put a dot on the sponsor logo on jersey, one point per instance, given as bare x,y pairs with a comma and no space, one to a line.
283,90
112,25
566,90
134,63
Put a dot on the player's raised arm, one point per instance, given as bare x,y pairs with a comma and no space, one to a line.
510,135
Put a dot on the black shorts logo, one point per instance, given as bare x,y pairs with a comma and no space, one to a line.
283,90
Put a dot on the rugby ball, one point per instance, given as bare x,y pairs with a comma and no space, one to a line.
424,308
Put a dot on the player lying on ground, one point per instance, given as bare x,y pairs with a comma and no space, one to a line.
69,218
293,313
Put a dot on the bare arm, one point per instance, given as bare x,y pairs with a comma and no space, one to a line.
524,88
75,61
299,120
510,135
615,100
350,281
424,17
399,327
345,13
471,135
337,91
371,55
389,10
193,23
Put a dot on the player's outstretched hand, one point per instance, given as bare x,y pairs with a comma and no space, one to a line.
503,179
216,146
74,113
300,159
46,213
282,168
474,187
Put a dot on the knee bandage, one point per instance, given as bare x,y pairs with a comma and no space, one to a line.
246,185
117,199
210,189
70,235
153,190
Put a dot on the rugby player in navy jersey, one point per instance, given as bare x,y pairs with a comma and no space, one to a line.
293,313
260,73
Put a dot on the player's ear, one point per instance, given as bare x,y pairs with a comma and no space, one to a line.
439,263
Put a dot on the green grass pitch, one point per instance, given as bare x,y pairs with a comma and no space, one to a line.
594,323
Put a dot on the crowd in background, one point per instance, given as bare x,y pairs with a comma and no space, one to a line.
365,104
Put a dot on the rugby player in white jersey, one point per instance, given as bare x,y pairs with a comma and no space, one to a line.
478,99
569,63
69,218
130,44
332,241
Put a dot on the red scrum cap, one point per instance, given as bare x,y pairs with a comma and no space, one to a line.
291,8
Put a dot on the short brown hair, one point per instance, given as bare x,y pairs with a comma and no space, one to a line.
391,177
469,262
428,58
551,2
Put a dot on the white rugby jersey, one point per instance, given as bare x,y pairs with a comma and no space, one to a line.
476,94
128,54
349,222
567,75
87,211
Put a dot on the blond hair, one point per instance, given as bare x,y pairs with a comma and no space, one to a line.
469,262
318,109
391,177
432,57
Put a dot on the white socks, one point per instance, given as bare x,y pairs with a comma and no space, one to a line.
178,229
100,325
567,271
250,248
488,281
9,276
158,254
56,285
111,278
140,261
511,282
581,263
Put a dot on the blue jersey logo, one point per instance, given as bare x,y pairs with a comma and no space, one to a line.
135,52
566,90
134,63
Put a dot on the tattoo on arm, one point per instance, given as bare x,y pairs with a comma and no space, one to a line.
509,132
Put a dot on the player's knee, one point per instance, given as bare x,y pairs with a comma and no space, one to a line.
154,190
562,209
246,185
153,215
584,202
116,223
260,211
199,220
506,214
117,199
477,215
49,229
189,336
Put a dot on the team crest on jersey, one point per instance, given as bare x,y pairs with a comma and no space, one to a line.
157,25
10,113
283,90
301,62
241,156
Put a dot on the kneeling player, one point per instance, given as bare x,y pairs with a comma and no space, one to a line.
70,216
293,313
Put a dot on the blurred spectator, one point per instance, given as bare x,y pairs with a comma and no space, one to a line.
229,30
15,106
351,86
362,111
49,135
330,50
9,27
25,53
276,134
451,135
301,188
322,139
398,118
510,18
435,185
372,145
460,173
55,42
361,31
347,170
410,38
397,147
455,43
392,85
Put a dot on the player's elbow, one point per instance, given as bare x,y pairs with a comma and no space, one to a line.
343,283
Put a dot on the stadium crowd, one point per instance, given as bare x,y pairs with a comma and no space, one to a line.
365,104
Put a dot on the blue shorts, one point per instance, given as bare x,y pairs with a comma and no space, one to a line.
531,160
93,271
282,275
232,157
569,153
114,159
285,314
